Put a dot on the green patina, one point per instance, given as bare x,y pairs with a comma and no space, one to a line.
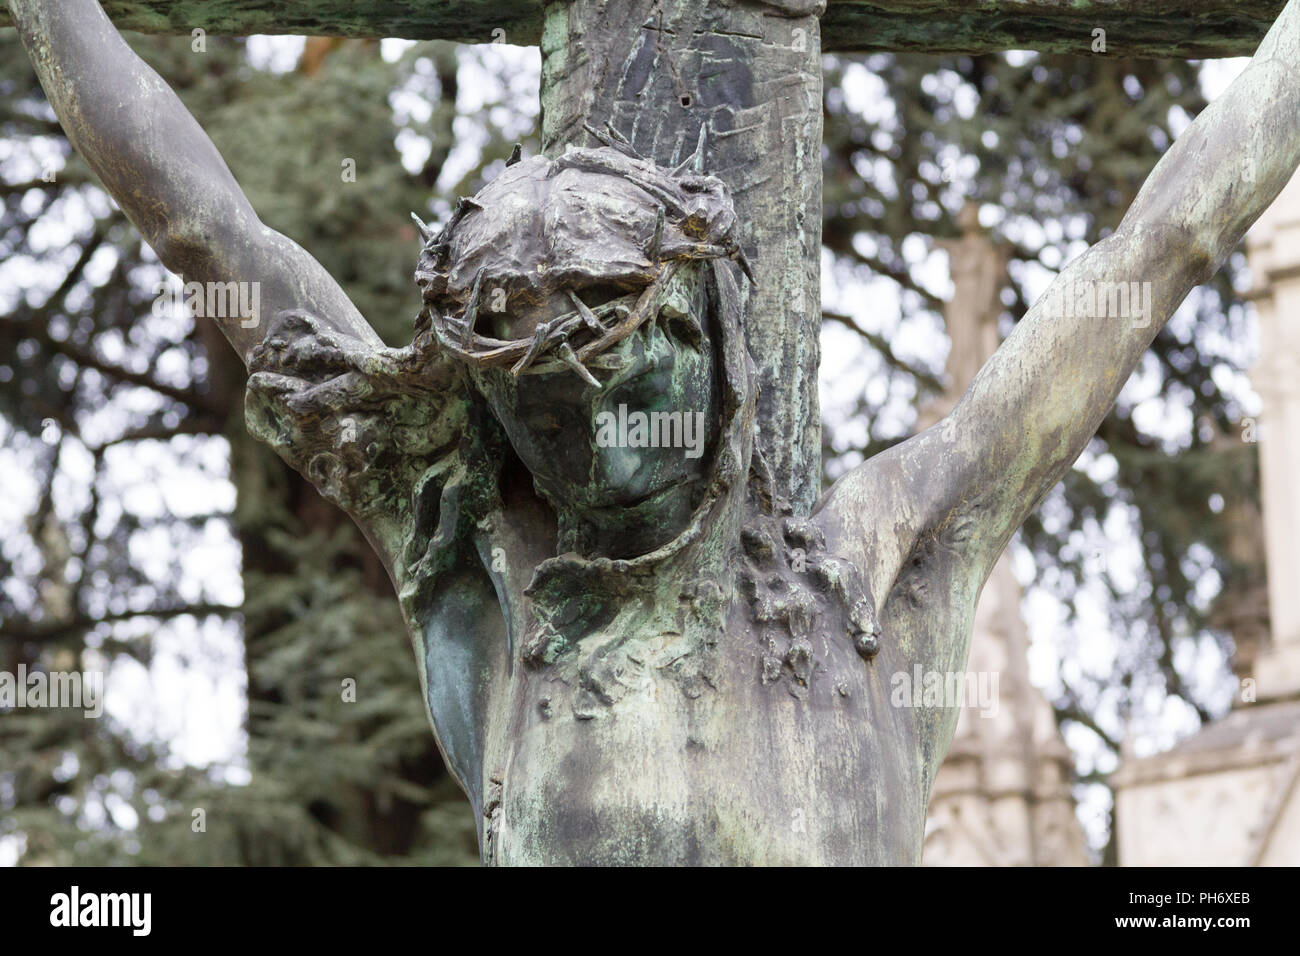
670,678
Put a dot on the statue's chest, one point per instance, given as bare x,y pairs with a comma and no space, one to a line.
751,717
752,748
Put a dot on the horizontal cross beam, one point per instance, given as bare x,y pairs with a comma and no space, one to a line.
1172,28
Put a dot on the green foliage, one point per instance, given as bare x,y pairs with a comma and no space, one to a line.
338,765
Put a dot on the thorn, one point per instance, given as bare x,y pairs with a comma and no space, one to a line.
613,139
743,262
657,239
516,154
588,316
565,353
471,310
426,232
446,343
615,134
695,161
540,335
599,136
465,202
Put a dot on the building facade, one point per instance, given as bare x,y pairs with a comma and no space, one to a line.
1230,794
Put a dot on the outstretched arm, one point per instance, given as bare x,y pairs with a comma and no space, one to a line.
1032,409
164,172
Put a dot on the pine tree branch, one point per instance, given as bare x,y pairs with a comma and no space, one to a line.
38,633
881,345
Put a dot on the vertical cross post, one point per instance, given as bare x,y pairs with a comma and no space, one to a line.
749,73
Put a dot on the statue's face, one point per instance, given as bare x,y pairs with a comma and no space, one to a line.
645,437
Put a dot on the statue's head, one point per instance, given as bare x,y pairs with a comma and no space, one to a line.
577,293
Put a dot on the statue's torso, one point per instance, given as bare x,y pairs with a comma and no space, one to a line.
746,773
810,763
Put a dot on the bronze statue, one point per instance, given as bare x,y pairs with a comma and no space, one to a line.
631,653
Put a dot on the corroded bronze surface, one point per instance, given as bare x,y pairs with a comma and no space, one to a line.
666,651
1186,28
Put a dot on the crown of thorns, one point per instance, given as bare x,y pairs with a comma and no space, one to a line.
604,216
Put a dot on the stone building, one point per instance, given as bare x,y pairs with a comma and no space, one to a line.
1002,796
1230,794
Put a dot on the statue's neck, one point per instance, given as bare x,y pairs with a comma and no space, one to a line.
590,616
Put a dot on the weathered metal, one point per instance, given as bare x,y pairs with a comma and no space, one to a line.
631,653
1174,28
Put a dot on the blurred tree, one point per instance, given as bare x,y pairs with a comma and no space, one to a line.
337,772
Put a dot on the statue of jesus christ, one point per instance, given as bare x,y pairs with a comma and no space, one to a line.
631,653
